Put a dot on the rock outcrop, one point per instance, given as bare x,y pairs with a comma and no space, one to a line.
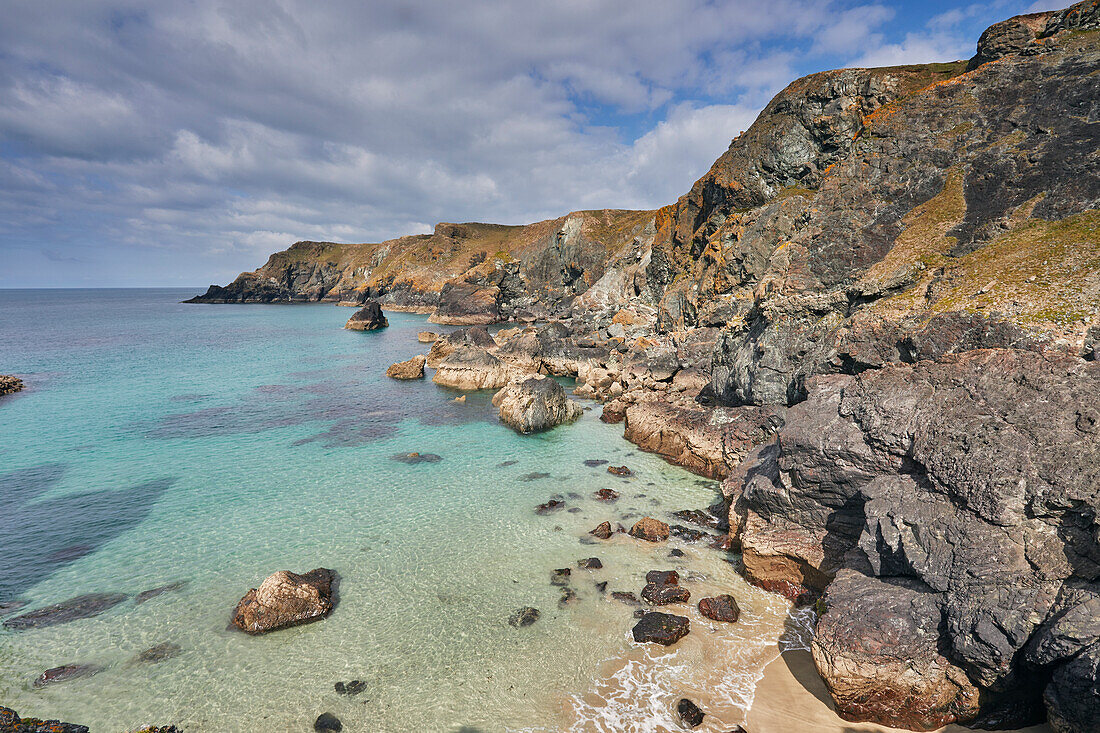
286,599
10,384
410,369
10,722
535,404
469,367
367,318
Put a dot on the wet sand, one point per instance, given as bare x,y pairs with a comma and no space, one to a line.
792,697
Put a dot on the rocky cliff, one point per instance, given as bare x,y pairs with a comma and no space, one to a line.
877,319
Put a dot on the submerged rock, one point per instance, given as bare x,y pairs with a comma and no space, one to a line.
620,471
535,404
86,606
524,617
650,530
158,653
560,576
690,713
410,369
66,673
568,597
10,722
286,599
607,495
660,628
720,608
350,689
328,722
367,318
146,595
414,458
549,507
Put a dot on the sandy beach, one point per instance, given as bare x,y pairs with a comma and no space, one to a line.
792,698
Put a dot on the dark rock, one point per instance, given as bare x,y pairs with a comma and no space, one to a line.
720,608
590,563
676,552
602,530
10,384
415,458
7,607
10,722
356,686
560,576
699,517
663,577
146,595
639,613
568,597
367,318
574,510
687,534
624,597
68,554
534,476
595,462
524,617
328,722
85,606
690,714
661,628
66,673
550,507
650,530
658,594
607,495
158,653
620,471
505,464
286,599
602,586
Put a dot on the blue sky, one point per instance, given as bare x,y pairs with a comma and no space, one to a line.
154,143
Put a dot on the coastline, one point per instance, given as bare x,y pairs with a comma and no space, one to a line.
791,697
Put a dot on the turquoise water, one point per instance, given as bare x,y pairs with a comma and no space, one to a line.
161,442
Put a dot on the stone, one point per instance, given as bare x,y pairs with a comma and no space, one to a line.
675,552
602,530
650,530
416,458
427,337
619,471
350,689
687,534
534,405
625,597
657,594
410,369
607,495
10,384
286,599
472,368
660,628
550,507
80,607
367,318
590,563
595,462
158,653
152,593
66,673
663,577
10,722
568,597
328,722
524,617
720,608
690,714
560,576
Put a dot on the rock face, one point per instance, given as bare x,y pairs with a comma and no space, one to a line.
953,521
367,318
535,404
9,384
286,599
411,369
10,722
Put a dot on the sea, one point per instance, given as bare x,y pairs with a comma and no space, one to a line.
205,447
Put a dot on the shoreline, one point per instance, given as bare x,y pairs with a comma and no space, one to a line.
791,697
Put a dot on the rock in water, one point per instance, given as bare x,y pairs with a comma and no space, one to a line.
607,495
367,318
650,530
66,673
286,599
590,563
10,722
85,606
535,404
602,530
660,628
427,337
146,595
689,712
9,384
159,653
620,471
524,617
471,367
720,608
411,369
328,722
663,587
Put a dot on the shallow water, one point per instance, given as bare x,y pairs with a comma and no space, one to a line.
163,442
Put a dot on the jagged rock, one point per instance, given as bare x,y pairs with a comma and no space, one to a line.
411,369
66,673
657,594
10,722
535,404
720,608
427,337
552,505
620,471
663,577
607,495
524,617
689,712
603,530
367,318
469,367
286,599
80,607
650,530
660,628
10,384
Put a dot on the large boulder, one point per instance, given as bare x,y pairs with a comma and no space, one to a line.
470,367
535,404
411,369
367,318
286,599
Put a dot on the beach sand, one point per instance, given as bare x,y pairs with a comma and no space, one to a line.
791,698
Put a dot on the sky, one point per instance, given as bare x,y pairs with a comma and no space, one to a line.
153,143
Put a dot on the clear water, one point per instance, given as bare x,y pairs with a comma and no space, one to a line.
162,442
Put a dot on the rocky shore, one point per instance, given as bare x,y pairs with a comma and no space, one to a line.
876,320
